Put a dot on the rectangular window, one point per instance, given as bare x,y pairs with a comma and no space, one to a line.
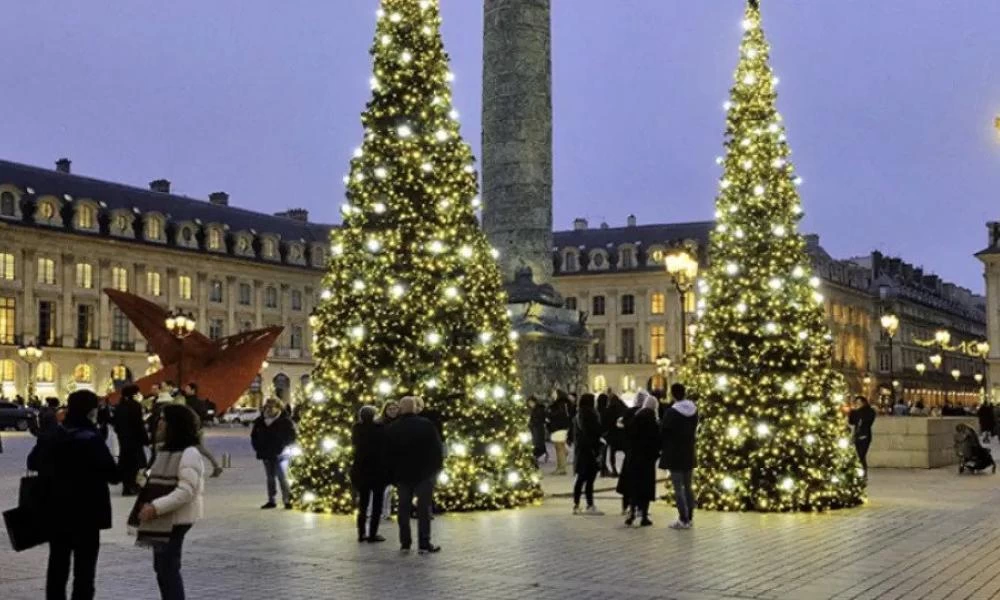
657,341
215,329
86,217
215,291
154,230
600,346
628,345
571,262
271,297
571,303
883,361
6,266
246,293
690,302
119,278
46,322
296,337
46,271
627,260
7,320
184,287
214,239
598,305
119,330
657,303
85,326
296,300
153,283
84,276
628,304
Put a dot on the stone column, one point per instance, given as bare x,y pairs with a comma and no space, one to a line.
26,311
104,308
68,312
231,291
517,135
201,294
258,303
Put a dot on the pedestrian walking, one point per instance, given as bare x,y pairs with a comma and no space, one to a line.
614,426
861,419
639,471
560,422
536,425
75,467
369,472
415,459
987,420
273,432
132,438
677,433
179,471
586,438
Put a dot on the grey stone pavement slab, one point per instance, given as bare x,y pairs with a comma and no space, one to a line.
924,534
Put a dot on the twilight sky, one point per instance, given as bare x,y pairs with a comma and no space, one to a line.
889,106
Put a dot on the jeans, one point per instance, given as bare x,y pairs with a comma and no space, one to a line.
374,495
584,481
683,495
275,468
861,445
423,491
167,564
83,547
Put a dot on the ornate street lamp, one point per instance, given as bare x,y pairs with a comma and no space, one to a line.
983,348
956,374
890,323
30,354
920,367
935,360
682,267
180,325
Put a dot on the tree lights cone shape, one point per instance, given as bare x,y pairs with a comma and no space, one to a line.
773,436
413,302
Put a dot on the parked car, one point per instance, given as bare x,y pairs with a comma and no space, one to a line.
16,416
241,416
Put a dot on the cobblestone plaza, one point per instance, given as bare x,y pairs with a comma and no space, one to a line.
923,534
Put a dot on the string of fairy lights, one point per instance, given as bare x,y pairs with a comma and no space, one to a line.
773,436
413,302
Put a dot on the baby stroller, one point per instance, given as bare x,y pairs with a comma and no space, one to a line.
972,455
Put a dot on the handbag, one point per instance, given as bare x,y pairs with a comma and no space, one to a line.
161,482
26,528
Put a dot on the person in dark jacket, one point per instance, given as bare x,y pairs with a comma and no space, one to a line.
369,472
132,438
536,425
76,468
677,432
273,432
586,439
861,419
637,482
559,425
48,417
987,420
614,434
415,458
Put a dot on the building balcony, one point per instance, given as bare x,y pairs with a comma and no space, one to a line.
123,346
87,344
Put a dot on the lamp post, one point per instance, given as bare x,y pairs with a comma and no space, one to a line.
30,354
682,267
180,325
890,323
984,351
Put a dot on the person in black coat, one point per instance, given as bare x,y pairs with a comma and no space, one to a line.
416,456
586,439
273,432
132,439
861,418
614,431
75,468
677,432
987,420
637,482
369,472
536,425
559,423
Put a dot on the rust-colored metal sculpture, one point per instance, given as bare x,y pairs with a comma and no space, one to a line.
223,369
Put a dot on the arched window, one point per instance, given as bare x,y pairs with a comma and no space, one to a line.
45,372
8,205
47,210
154,229
83,373
85,217
215,239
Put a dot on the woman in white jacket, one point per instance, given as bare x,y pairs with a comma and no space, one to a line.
179,472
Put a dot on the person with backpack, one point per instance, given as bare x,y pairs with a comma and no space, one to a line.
677,432
75,468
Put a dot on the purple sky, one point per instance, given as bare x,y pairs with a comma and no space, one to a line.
889,106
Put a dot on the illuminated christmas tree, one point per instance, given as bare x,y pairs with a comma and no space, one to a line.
773,436
413,303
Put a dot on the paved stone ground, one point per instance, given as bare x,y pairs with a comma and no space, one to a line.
924,534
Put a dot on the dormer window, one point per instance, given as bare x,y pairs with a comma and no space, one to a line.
268,248
47,212
185,237
295,254
570,262
8,204
627,258
154,229
598,260
318,255
86,217
215,239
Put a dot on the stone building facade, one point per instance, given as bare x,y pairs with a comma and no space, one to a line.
616,275
64,238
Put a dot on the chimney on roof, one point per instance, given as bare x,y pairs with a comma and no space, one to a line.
604,225
219,198
296,214
62,165
579,224
160,185
630,222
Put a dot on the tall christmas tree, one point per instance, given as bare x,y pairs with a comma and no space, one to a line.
413,303
773,437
